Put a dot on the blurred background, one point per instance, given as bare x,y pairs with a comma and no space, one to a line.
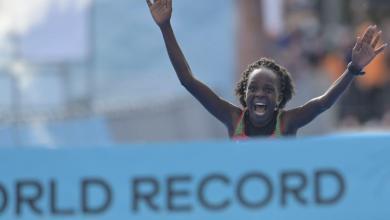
95,72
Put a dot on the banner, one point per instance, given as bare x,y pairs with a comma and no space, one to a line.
315,178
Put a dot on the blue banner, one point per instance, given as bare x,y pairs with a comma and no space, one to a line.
316,178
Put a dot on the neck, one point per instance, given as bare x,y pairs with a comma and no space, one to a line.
268,128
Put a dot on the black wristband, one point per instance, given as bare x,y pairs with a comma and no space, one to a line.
355,71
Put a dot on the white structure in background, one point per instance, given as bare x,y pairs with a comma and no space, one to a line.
273,16
35,34
62,36
135,88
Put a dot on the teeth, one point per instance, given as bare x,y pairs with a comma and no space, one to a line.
260,108
259,104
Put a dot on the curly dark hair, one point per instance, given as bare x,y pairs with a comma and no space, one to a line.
286,89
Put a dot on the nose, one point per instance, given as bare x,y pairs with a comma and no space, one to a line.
259,93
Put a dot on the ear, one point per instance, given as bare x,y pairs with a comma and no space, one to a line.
278,103
280,99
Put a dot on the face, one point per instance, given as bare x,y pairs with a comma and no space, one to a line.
262,96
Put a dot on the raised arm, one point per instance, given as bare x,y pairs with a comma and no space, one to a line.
161,11
363,53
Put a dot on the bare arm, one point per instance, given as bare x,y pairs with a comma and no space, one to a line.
224,111
362,54
218,107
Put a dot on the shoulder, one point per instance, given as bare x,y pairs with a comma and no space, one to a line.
286,117
236,114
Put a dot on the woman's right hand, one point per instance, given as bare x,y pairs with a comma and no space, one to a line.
161,11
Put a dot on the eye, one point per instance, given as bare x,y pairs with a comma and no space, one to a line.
269,90
251,88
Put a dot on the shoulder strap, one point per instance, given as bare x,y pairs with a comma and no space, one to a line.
239,130
278,128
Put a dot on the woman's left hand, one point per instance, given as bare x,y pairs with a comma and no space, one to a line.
366,49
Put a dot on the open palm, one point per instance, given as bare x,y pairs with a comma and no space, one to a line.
366,48
161,10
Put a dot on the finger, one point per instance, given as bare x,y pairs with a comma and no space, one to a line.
381,49
376,39
367,38
358,44
368,35
149,3
169,3
164,3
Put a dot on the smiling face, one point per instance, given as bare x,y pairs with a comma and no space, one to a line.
262,95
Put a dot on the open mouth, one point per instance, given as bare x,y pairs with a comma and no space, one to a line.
260,108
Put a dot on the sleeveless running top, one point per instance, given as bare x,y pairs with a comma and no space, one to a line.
239,133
